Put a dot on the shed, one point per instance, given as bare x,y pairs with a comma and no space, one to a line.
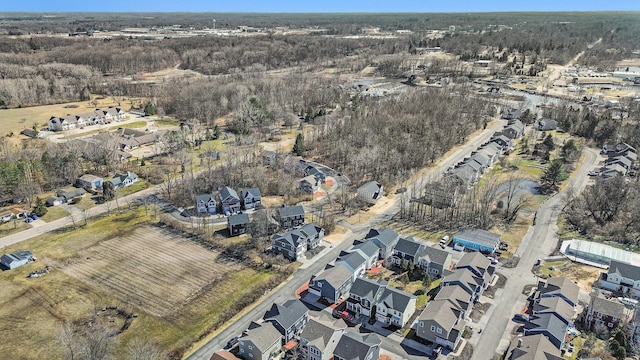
17,259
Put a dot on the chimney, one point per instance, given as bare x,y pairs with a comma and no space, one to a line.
520,342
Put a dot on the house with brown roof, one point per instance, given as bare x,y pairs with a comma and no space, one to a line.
442,323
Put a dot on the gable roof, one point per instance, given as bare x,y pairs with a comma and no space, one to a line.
464,276
292,237
352,260
624,270
223,355
367,288
335,276
456,295
479,236
480,158
371,186
353,346
310,230
238,219
286,314
262,335
619,159
368,248
205,198
434,255
556,286
288,211
386,236
475,260
396,299
409,246
533,347
551,304
610,307
318,332
255,192
443,312
226,192
549,321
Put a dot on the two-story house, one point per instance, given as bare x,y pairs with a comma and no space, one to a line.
354,346
442,323
467,280
533,347
293,244
395,307
313,170
407,250
549,325
309,184
320,337
434,261
121,180
313,233
259,342
370,192
332,284
206,203
457,296
554,305
559,287
479,264
353,261
365,295
622,277
514,129
291,216
290,318
251,198
608,312
237,224
386,240
368,250
230,200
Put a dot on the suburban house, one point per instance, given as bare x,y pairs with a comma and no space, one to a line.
464,175
608,312
223,355
112,114
457,296
559,287
503,141
533,347
72,194
65,123
386,240
14,213
90,182
613,170
99,116
467,280
293,244
478,264
370,192
477,240
369,252
354,346
312,170
309,184
320,337
395,307
206,203
474,166
408,250
124,179
259,342
237,224
620,160
251,198
511,114
491,151
514,130
434,261
546,125
618,149
553,305
549,325
332,283
442,323
229,199
482,160
17,259
622,277
291,216
353,261
364,295
289,318
54,201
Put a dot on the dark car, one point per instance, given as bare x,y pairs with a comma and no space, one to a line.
232,342
33,216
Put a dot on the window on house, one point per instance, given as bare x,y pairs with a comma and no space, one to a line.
433,328
421,324
250,347
250,355
319,284
610,325
439,331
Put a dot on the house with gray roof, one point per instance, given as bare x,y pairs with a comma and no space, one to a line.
559,287
533,347
313,233
407,249
434,261
477,240
332,283
613,170
441,323
549,325
120,180
291,216
251,198
514,130
620,160
309,184
606,311
17,259
546,125
479,264
370,192
293,244
554,305
229,199
354,346
481,160
289,318
395,307
320,337
365,295
503,141
90,182
355,262
492,153
237,224
259,342
465,175
467,280
622,277
368,250
386,240
206,204
457,296
71,194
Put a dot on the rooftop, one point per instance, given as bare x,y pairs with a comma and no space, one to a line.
479,236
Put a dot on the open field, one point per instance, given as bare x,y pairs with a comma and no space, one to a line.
15,120
131,125
583,275
139,269
177,290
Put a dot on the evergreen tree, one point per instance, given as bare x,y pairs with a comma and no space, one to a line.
553,175
298,147
108,191
548,143
40,209
426,280
149,109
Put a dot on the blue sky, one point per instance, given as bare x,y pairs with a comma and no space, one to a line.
316,5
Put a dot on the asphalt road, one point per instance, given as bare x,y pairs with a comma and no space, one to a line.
539,241
287,291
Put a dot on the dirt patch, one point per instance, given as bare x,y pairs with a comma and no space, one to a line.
583,275
465,354
499,284
151,268
479,309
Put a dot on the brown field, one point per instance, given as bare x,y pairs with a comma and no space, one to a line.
140,267
15,120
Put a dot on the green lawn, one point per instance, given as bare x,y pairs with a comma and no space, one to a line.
137,186
131,125
166,122
54,213
86,203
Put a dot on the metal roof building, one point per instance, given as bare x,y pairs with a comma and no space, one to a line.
596,254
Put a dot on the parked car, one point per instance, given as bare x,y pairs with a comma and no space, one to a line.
520,318
33,216
345,315
28,219
232,342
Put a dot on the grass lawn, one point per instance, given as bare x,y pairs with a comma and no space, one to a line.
12,226
516,232
82,134
54,213
131,125
166,122
135,187
86,203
